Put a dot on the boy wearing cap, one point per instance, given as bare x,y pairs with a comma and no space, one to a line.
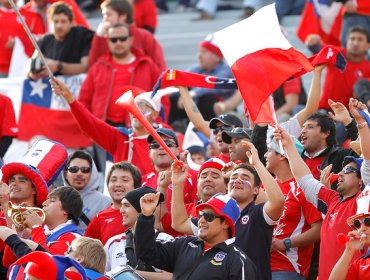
120,248
299,226
336,206
358,240
210,255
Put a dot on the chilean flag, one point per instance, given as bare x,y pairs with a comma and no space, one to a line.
323,18
260,57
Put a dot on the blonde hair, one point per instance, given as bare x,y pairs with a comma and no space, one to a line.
92,251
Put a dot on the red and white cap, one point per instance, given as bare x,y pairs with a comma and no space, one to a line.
210,44
363,205
212,163
41,164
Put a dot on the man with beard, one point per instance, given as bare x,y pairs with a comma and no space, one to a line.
66,49
234,139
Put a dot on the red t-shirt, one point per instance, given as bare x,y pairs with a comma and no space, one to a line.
145,14
296,219
122,76
8,125
223,157
338,85
359,269
335,222
105,224
314,165
11,27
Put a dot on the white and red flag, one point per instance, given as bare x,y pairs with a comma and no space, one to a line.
260,57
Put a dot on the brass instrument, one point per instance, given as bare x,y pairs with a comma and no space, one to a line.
15,213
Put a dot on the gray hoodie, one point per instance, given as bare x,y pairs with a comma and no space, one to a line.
94,201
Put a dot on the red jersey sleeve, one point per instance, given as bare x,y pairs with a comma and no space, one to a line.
8,125
292,86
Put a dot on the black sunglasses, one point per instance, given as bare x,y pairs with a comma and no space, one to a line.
350,169
84,169
357,223
208,216
155,145
221,128
120,38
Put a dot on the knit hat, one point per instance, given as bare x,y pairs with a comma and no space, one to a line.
224,206
134,196
44,266
212,163
41,164
210,44
363,205
275,146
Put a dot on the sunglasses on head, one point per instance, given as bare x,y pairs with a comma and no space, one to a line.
155,145
349,169
208,216
84,169
357,223
120,38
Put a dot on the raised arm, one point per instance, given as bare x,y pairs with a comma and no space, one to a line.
313,96
179,216
193,113
275,204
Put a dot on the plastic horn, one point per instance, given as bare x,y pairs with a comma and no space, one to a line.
15,213
127,102
342,239
334,178
29,34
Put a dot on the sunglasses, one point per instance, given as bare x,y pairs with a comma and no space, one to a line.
221,128
357,223
155,145
84,169
350,169
208,216
116,39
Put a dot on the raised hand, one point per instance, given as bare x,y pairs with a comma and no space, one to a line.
354,107
179,173
148,203
61,89
326,175
341,113
252,153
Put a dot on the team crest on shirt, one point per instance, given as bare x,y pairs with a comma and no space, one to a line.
245,219
218,258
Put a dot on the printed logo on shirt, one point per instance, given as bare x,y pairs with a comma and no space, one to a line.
332,219
364,267
192,245
120,255
218,258
109,220
245,219
358,73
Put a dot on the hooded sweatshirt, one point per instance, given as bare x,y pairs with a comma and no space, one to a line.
93,200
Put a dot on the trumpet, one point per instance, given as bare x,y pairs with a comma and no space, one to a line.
15,213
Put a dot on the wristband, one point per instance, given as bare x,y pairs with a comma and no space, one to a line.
287,243
60,67
361,125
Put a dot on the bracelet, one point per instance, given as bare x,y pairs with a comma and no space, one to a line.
361,125
60,67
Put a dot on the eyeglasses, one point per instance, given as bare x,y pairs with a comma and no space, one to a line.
116,39
208,216
69,250
84,169
349,169
357,223
155,145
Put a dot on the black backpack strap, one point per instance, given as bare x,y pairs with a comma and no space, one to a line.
85,219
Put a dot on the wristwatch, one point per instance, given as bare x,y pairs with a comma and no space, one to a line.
287,243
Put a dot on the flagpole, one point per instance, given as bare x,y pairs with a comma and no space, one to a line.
29,34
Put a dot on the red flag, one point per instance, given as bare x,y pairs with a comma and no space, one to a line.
260,57
43,113
363,7
322,18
